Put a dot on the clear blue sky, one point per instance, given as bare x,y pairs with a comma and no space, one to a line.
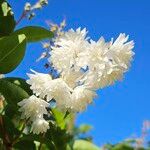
119,110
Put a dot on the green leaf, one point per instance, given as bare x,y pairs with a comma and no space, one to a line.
12,93
21,83
44,147
60,138
84,145
35,33
59,118
84,128
12,112
25,145
12,50
7,22
122,146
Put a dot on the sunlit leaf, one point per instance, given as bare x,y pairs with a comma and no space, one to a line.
34,33
7,22
84,145
12,50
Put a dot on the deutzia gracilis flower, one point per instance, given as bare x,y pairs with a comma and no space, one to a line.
121,51
81,66
120,56
71,77
67,49
95,54
40,125
81,97
33,108
84,66
107,61
60,91
38,82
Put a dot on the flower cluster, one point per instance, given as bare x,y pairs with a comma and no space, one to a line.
83,66
33,109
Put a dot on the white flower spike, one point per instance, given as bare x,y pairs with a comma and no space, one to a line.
84,66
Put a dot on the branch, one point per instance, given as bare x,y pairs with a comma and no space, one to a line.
21,17
5,137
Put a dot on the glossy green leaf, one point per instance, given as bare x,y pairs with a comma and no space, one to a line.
21,83
12,50
59,118
7,22
12,93
35,33
84,145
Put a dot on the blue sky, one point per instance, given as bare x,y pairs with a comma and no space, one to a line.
119,110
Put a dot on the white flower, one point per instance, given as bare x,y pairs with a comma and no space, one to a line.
107,61
60,91
71,77
95,55
67,49
91,79
121,51
38,82
100,79
120,55
33,107
80,98
40,125
1,76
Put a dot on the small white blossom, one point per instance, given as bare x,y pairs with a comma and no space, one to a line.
121,51
33,108
60,91
40,125
38,82
71,77
80,98
120,55
67,49
107,62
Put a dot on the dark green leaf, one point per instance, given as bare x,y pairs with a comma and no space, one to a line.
25,145
12,50
34,33
21,83
7,22
12,93
58,137
12,112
